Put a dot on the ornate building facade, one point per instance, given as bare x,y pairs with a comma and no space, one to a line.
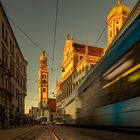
46,105
13,74
78,60
115,19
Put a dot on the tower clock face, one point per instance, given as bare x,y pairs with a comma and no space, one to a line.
44,81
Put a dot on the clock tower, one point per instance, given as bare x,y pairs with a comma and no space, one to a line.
43,84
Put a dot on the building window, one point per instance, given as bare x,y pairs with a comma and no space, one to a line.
43,76
81,57
13,71
17,59
6,60
44,89
110,33
117,30
11,45
6,83
74,85
3,56
79,71
3,30
14,90
10,87
67,54
83,68
21,66
6,37
13,50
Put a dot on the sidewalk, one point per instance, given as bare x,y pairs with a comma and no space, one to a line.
8,134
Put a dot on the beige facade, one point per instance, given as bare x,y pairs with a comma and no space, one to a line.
78,60
115,20
13,72
33,112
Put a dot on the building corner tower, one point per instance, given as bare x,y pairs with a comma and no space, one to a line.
115,20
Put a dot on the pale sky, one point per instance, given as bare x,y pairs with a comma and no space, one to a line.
83,19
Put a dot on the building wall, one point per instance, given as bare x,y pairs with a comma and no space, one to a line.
13,70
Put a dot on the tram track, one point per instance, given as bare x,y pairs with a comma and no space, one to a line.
53,133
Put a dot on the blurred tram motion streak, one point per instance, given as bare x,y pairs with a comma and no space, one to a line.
110,93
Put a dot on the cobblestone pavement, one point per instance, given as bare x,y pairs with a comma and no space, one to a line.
58,132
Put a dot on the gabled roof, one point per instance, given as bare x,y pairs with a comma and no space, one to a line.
94,51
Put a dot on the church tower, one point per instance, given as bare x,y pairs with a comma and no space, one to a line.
43,83
115,20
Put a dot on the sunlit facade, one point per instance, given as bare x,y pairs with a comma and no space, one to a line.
109,93
78,60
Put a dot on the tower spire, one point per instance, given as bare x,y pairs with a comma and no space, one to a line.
43,52
67,36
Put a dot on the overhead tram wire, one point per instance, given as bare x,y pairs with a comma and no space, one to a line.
54,42
32,99
105,27
32,41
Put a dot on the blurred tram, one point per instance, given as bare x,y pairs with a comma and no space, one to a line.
42,120
110,93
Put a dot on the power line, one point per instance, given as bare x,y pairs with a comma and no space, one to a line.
25,34
34,82
54,41
31,99
32,41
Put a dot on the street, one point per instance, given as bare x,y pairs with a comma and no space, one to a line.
58,132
